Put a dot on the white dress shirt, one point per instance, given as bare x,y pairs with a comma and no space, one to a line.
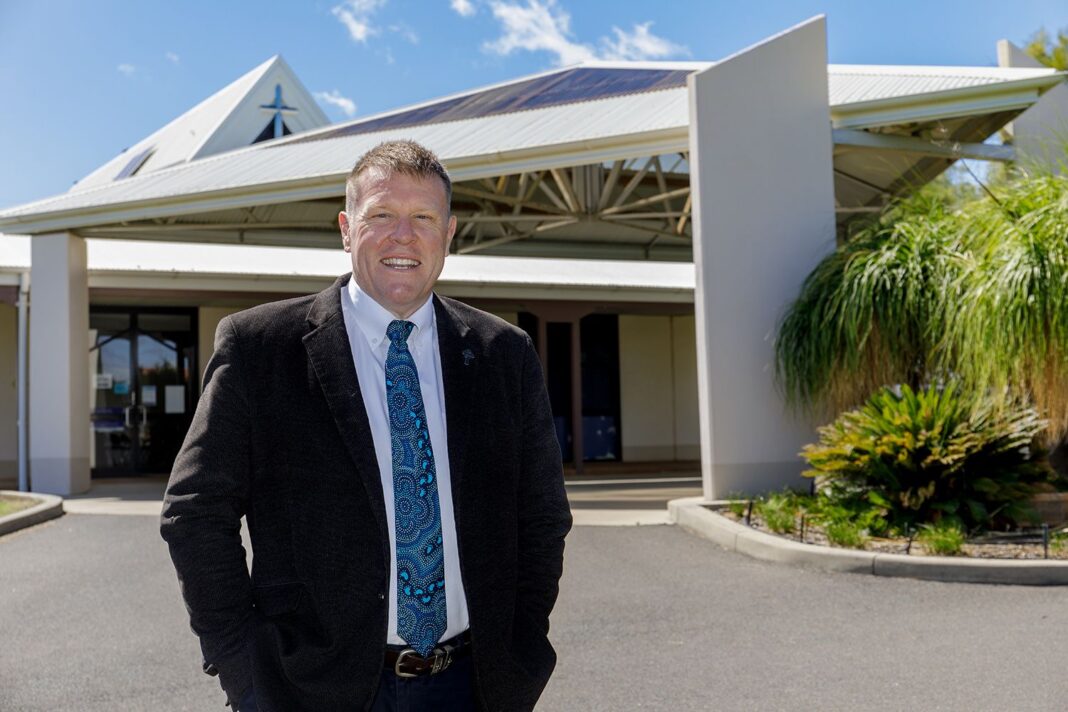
366,321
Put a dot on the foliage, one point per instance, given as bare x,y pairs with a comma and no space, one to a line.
779,512
737,504
1009,329
1058,542
828,509
1050,52
871,312
942,539
846,534
927,455
970,288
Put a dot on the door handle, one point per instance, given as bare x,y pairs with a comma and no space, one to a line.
144,415
126,415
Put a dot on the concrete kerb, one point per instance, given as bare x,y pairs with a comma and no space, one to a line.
49,507
692,514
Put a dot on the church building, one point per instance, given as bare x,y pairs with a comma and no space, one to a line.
645,222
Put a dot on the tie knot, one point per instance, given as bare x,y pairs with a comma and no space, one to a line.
398,331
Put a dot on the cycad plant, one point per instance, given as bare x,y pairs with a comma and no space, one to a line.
927,455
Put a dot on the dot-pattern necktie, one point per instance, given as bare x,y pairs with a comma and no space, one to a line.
421,612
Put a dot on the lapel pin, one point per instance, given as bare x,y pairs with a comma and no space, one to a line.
469,356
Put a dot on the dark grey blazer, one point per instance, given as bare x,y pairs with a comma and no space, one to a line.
281,436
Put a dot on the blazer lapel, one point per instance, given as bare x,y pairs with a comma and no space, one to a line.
460,363
330,354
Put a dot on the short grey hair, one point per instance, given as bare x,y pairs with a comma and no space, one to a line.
404,157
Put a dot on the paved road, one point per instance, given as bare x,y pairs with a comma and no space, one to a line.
650,618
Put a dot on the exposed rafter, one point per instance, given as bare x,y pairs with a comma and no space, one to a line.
637,196
861,140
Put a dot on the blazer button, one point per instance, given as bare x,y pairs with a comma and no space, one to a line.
381,596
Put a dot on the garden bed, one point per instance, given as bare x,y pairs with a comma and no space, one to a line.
1023,545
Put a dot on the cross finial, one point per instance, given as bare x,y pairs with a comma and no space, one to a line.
279,108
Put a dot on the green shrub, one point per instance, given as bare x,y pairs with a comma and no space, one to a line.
944,538
779,511
925,455
737,504
846,533
1058,542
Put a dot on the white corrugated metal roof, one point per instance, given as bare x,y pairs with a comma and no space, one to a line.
263,165
243,261
857,83
313,169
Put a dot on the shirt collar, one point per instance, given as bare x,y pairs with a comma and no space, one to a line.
373,318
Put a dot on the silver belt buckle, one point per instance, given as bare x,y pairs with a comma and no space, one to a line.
400,658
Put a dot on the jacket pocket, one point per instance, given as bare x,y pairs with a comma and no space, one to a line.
278,599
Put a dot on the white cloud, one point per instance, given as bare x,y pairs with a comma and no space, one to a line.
406,32
174,58
464,8
355,15
544,26
335,98
537,27
640,44
127,70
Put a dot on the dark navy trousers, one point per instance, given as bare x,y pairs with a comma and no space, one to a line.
452,690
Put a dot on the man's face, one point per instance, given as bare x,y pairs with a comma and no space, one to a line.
398,236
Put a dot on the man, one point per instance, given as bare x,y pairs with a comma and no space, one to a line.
394,455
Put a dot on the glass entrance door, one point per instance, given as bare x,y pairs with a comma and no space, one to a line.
142,366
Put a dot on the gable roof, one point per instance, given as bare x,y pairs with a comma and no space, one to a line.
230,118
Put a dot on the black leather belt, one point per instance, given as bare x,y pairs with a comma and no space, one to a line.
405,662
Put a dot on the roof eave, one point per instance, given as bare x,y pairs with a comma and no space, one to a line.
987,98
319,187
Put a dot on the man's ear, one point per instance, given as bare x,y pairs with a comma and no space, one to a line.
450,232
343,224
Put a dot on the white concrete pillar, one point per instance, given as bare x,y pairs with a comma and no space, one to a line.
763,216
59,377
1039,134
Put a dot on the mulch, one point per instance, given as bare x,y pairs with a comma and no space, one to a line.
1008,545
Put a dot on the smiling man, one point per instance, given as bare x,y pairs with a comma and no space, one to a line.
394,455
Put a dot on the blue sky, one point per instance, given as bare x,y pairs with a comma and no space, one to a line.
80,81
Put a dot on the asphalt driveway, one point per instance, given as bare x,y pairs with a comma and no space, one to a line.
650,617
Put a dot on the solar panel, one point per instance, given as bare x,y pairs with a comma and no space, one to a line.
135,163
570,86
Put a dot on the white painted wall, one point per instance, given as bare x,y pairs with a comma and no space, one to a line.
646,388
1040,134
763,217
658,388
9,412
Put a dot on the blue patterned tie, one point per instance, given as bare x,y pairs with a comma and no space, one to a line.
421,611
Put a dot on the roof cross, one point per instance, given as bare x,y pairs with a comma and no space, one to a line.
279,108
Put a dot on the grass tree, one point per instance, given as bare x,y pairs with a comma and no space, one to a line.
1010,326
975,292
873,312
